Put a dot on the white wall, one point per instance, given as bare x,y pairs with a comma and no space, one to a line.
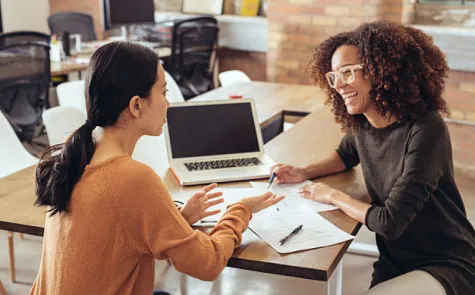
25,15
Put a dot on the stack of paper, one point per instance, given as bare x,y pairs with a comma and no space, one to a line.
276,222
272,225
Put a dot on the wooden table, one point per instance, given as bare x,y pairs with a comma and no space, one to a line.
309,140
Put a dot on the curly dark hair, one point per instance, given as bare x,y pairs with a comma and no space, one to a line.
406,69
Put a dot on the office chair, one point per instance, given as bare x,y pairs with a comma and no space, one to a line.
174,93
61,122
231,77
194,53
74,23
72,94
24,80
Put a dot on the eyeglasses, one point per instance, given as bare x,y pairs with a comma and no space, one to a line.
346,75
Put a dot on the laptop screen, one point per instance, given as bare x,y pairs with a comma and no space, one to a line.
208,130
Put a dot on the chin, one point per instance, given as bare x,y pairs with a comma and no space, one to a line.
353,110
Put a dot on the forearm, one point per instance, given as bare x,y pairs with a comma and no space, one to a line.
354,208
329,165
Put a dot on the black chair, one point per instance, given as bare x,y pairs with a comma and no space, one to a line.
74,23
24,80
194,53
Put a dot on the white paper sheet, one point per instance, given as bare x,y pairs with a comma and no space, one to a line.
292,197
271,226
230,195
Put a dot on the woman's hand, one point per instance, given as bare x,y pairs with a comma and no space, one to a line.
318,192
258,203
288,174
195,208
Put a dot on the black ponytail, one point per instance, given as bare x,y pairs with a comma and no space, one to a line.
117,72
60,168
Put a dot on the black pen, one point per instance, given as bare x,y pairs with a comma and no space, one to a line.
294,232
271,180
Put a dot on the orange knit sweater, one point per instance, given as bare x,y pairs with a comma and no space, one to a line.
120,219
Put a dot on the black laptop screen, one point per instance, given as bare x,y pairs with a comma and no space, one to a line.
209,130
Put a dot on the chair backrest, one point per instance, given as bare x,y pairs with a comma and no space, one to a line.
13,156
174,94
24,80
231,77
74,23
72,94
62,121
194,52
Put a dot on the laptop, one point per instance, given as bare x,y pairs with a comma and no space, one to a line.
215,141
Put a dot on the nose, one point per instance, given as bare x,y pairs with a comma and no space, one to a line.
339,84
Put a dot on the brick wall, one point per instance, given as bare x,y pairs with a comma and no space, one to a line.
93,7
298,25
252,63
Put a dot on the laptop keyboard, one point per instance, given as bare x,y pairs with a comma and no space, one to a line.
218,164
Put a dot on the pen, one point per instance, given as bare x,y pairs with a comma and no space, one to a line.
271,180
294,232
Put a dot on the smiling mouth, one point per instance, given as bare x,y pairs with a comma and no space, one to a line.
349,97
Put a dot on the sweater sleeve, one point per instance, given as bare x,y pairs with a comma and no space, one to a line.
427,152
348,152
154,226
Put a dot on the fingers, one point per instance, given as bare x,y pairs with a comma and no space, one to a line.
273,168
305,188
266,196
213,203
214,195
209,187
274,200
211,213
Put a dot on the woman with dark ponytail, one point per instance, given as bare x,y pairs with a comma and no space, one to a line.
109,216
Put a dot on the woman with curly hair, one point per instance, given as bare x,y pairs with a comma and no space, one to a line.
384,83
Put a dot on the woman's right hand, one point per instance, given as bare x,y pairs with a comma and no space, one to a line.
288,174
258,203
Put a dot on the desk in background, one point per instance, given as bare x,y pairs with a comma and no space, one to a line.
309,140
78,64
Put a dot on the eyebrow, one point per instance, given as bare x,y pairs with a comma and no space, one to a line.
348,64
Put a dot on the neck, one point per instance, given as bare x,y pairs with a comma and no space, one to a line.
117,140
378,121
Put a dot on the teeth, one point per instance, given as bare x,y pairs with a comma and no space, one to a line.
350,95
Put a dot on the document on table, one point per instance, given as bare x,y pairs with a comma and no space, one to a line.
272,225
292,197
230,195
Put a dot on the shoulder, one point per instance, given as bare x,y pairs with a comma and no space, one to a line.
127,173
431,122
430,131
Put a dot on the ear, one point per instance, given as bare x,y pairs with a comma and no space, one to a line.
135,106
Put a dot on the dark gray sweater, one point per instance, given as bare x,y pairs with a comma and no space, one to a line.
417,212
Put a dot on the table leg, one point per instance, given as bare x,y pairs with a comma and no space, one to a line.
11,256
363,249
335,282
2,289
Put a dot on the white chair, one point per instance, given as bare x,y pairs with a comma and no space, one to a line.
231,77
61,121
174,94
72,94
13,157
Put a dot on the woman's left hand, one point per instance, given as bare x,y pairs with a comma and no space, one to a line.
195,209
318,192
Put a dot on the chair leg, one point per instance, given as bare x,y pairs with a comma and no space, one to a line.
11,257
2,289
22,236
